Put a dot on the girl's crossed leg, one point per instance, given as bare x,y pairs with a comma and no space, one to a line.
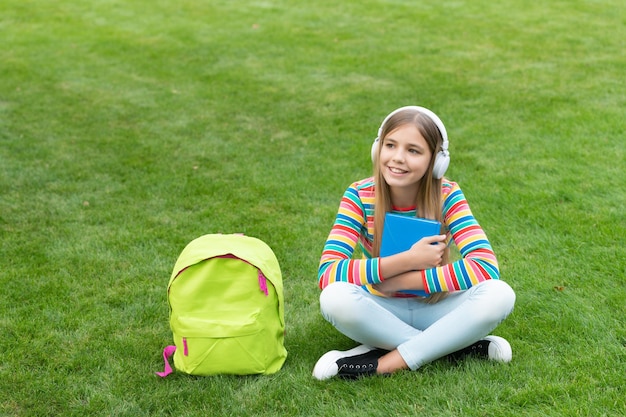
414,331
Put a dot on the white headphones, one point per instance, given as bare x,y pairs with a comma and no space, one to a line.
442,160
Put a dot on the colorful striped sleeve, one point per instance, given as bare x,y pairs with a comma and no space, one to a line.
478,262
350,227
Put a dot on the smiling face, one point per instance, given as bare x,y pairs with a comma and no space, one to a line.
404,159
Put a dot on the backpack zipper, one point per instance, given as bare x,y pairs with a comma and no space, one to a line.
262,278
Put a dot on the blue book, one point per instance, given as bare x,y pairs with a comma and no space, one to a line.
402,232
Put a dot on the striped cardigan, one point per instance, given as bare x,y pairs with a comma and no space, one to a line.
354,225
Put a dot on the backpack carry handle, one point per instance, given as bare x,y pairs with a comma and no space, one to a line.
167,353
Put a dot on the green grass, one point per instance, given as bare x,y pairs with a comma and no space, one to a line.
128,128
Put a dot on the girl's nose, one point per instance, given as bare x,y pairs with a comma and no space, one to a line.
398,155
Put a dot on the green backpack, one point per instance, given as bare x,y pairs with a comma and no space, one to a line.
226,308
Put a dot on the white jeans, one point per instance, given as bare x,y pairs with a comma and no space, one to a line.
421,332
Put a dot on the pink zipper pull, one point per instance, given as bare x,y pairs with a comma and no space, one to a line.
263,283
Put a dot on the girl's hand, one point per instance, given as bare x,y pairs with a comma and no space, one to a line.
425,254
428,252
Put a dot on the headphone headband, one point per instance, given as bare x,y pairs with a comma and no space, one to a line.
431,115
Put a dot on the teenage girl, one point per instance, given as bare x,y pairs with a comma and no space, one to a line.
367,299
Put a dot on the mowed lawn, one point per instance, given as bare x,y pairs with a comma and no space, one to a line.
129,128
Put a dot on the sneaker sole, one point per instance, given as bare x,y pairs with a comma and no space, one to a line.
499,349
326,366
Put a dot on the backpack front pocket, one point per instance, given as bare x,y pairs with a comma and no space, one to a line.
210,347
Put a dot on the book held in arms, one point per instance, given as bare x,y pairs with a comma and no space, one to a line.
402,232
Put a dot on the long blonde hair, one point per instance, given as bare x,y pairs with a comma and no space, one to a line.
428,200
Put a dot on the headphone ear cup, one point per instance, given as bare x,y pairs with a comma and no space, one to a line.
374,149
442,160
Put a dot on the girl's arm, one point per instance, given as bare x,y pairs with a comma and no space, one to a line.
336,263
478,262
425,254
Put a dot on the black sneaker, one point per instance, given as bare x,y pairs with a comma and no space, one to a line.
358,366
494,348
326,367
